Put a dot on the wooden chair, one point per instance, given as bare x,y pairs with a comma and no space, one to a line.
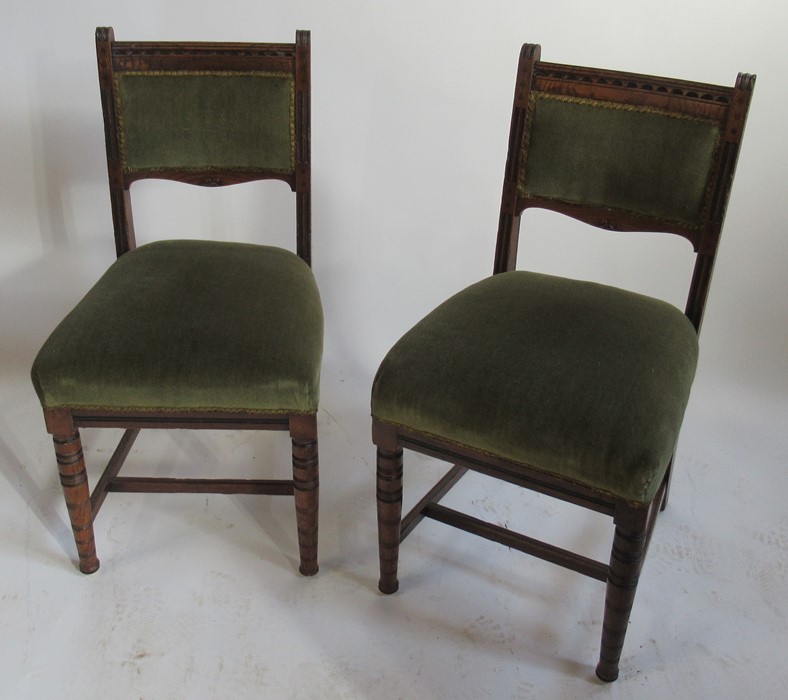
566,387
194,334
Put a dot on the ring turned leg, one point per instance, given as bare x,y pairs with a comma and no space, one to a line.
306,483
74,479
389,496
626,561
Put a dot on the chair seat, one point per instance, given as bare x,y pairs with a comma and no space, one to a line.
192,326
572,378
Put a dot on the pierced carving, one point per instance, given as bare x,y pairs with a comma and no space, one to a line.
130,49
706,93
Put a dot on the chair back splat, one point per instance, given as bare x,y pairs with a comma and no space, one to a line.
192,333
569,388
623,152
209,114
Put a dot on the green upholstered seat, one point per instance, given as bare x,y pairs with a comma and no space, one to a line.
574,378
190,325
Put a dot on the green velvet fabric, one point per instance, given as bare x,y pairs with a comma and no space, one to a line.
574,378
190,325
638,160
206,120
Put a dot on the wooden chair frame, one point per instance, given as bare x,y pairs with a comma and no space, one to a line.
634,523
63,424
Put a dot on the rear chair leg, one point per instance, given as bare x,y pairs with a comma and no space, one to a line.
389,496
303,431
74,479
626,561
668,480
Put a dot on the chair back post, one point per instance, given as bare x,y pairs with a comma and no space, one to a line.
303,174
509,220
122,221
733,131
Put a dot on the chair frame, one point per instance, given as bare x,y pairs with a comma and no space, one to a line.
634,522
64,423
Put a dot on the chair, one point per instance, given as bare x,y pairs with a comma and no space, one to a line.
569,388
184,333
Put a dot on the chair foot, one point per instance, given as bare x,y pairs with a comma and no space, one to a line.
306,482
308,569
388,586
606,672
74,479
389,498
89,567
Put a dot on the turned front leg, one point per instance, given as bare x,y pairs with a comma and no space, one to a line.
74,479
626,562
389,498
306,485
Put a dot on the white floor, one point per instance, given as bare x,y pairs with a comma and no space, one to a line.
199,597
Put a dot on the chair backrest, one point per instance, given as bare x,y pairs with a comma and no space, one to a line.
623,152
208,114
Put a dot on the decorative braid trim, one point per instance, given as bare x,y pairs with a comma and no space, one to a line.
614,105
166,410
493,455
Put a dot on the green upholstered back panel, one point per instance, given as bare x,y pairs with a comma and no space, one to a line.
199,121
639,160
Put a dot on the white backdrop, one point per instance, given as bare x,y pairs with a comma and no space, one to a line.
411,105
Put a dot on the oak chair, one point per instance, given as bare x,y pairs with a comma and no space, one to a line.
186,333
569,388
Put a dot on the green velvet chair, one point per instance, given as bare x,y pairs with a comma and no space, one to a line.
570,388
194,333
